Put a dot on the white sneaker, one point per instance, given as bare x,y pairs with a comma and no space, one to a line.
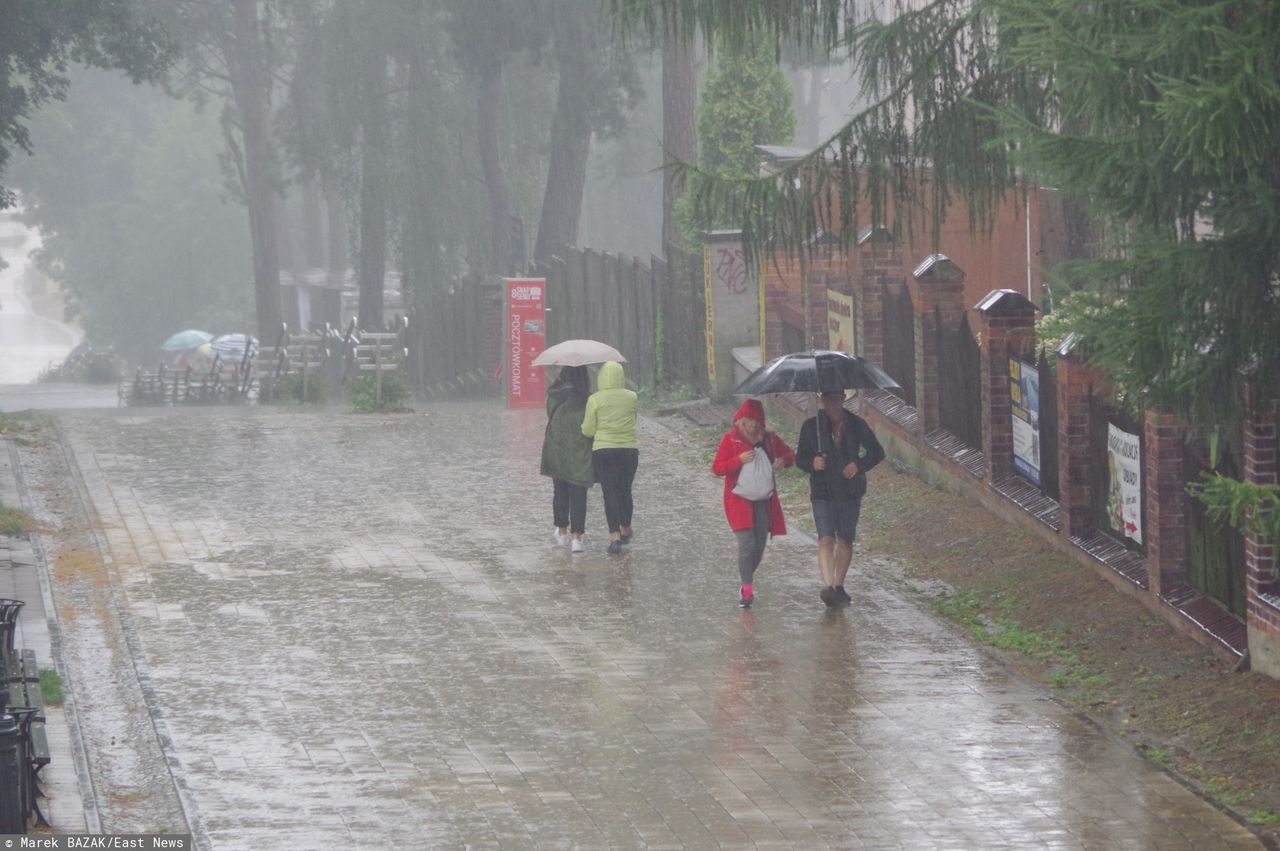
561,540
576,546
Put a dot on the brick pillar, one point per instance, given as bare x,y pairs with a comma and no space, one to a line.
1164,525
1006,328
824,268
937,292
878,264
1262,577
1076,381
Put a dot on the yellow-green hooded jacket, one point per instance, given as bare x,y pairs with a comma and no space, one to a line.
611,411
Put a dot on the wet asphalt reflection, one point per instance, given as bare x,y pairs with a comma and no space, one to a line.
356,631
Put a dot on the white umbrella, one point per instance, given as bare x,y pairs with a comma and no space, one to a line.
578,353
232,346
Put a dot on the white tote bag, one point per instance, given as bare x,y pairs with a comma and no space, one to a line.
755,481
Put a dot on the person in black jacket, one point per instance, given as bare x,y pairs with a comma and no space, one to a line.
836,449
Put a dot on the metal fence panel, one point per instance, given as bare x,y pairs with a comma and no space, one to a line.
900,341
959,380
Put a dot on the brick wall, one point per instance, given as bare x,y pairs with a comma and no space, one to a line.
797,297
1076,383
1165,483
1006,328
878,265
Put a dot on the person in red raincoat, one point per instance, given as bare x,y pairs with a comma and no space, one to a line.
752,519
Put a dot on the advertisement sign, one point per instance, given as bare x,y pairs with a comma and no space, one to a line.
1024,394
1124,490
840,322
525,338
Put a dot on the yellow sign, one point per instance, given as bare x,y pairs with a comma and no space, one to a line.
840,328
706,295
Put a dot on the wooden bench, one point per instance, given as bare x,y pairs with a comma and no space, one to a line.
306,356
377,352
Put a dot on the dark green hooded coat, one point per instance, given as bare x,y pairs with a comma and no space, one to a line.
566,451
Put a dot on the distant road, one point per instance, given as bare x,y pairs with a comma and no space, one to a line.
29,342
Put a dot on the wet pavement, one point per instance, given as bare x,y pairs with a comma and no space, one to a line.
289,629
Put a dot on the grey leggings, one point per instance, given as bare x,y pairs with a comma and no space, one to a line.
751,541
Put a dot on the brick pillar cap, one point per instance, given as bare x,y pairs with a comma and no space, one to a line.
937,267
876,233
1005,303
1073,346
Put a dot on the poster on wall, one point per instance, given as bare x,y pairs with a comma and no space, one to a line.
1124,490
1024,396
840,330
525,339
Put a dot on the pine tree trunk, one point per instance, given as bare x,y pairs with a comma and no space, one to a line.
373,200
489,145
312,226
335,237
567,171
251,88
680,304
679,124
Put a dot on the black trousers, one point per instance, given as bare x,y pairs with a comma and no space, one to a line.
615,470
569,505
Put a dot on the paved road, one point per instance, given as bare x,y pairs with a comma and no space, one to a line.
29,343
300,630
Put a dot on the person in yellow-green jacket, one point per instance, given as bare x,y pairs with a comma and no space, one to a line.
610,421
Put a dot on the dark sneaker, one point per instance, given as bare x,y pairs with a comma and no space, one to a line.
614,548
842,597
828,595
745,602
626,539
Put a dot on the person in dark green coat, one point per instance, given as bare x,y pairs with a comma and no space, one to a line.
566,454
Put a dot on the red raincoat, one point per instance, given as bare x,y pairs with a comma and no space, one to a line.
728,463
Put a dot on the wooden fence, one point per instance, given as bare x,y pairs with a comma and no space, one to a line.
455,340
650,311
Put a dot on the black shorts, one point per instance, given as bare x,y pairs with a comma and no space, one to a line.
837,518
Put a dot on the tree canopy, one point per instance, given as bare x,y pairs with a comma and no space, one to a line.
40,40
1163,116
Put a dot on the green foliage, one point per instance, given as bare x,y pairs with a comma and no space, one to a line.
364,393
289,389
13,522
129,197
40,39
1249,507
92,367
51,690
1163,117
746,102
14,424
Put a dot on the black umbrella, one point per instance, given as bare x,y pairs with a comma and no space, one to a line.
815,372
